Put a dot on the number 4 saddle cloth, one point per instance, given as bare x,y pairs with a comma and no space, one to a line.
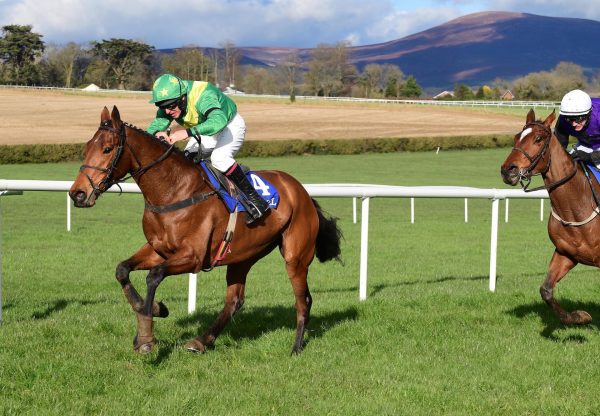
264,188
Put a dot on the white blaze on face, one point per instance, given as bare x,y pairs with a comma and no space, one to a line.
525,133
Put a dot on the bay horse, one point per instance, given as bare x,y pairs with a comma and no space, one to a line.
573,227
184,220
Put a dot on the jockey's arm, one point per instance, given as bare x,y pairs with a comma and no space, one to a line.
216,120
562,137
160,123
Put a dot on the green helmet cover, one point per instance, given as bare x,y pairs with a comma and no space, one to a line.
167,87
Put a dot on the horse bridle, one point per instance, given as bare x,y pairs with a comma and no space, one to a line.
108,180
526,175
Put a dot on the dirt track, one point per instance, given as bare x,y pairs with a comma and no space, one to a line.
32,116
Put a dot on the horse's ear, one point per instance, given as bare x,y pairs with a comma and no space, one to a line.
550,119
116,117
530,116
104,115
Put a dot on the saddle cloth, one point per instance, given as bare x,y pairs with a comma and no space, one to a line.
264,188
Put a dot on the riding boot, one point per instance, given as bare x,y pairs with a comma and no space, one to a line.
256,205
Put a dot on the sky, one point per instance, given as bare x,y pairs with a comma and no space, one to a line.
266,23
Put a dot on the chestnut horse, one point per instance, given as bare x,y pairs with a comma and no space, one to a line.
573,226
184,222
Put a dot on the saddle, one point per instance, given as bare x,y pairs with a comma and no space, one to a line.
233,198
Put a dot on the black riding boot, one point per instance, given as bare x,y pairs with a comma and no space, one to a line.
256,206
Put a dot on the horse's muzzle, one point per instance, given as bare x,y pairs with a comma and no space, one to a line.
81,200
510,175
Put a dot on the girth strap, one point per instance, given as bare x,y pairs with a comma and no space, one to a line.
194,199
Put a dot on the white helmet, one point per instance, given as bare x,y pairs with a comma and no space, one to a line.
575,103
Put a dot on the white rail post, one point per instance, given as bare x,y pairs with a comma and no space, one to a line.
0,258
353,210
506,210
68,213
192,283
494,244
364,246
412,210
542,209
466,210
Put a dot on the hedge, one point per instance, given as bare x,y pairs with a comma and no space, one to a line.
53,153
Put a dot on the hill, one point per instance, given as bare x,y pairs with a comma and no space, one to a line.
473,49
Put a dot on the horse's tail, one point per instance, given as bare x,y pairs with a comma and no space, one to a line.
328,238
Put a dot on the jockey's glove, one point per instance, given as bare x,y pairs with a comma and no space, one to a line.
593,157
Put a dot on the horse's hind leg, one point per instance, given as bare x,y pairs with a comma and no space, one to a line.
559,267
144,259
298,273
234,300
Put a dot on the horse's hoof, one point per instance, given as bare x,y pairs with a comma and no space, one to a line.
580,317
195,345
143,345
162,311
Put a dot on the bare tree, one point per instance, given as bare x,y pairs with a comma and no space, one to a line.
329,72
66,61
231,59
189,62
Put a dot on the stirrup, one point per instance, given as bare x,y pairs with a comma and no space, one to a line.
253,213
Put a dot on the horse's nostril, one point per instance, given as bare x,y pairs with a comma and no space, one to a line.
78,196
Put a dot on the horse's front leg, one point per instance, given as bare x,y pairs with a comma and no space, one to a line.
144,259
183,261
559,267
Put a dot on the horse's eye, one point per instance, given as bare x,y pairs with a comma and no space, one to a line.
107,149
538,139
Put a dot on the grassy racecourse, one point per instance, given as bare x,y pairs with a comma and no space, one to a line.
430,339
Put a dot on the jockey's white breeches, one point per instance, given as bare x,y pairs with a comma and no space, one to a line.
224,145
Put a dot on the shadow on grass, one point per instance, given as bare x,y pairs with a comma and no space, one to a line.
551,322
253,324
376,288
59,305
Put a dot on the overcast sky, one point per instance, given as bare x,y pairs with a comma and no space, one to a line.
285,23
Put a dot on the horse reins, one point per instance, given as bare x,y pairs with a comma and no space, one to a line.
536,159
525,176
108,181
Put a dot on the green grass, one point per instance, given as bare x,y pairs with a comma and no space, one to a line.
430,338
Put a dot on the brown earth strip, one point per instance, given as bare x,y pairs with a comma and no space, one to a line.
42,116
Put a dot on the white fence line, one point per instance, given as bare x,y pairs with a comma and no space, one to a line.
363,191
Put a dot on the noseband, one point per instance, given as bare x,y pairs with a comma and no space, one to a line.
108,180
527,173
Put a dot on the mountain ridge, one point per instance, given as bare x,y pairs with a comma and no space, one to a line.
473,49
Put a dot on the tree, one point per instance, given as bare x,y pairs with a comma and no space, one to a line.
122,57
393,78
372,78
484,93
19,49
411,88
463,92
231,58
190,63
329,72
67,63
290,67
259,81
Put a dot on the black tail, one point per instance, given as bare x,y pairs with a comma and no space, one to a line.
328,238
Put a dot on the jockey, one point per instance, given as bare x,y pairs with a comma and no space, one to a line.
213,125
580,117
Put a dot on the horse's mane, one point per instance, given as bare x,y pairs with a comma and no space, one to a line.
158,140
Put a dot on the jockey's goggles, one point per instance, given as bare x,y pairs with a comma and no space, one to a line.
169,104
578,119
